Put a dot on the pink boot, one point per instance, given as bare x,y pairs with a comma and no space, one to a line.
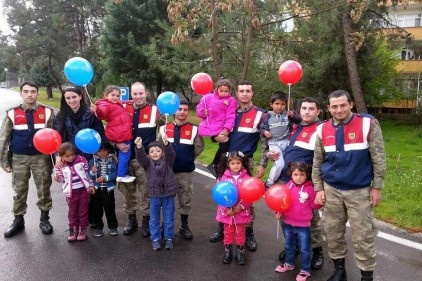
81,234
73,232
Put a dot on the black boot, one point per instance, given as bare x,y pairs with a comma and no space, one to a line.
250,240
317,258
367,275
184,228
282,255
145,227
339,271
228,254
219,234
240,255
45,224
131,226
17,225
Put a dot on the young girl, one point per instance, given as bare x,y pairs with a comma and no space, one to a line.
162,187
234,168
218,113
119,127
297,220
103,173
72,170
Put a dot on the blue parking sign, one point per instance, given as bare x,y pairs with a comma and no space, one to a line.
124,93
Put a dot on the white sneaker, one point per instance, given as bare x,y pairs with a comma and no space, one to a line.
125,179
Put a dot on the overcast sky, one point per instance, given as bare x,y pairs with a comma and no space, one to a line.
3,23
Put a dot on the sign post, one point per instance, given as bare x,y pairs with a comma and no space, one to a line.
124,93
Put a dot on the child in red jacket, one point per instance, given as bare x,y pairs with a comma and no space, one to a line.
118,129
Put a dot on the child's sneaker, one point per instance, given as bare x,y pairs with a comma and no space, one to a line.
303,276
81,234
113,231
73,233
284,267
125,179
98,232
156,245
169,244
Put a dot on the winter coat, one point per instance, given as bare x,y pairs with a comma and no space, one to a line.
221,114
111,173
242,217
300,211
79,167
119,121
161,181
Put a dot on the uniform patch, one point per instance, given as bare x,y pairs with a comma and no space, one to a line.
187,133
145,116
304,134
248,120
41,116
352,136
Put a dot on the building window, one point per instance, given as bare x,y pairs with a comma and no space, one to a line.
408,20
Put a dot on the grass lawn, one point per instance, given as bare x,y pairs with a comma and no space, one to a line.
402,195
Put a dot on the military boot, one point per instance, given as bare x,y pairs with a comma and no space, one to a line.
219,234
145,227
17,225
317,258
184,228
367,275
45,224
131,226
228,253
250,239
240,255
339,271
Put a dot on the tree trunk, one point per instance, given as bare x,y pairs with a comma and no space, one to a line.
351,59
49,91
214,42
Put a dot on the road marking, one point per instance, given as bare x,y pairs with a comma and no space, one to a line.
383,235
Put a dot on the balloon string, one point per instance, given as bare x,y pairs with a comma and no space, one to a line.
89,98
52,160
165,126
205,103
234,222
288,99
278,226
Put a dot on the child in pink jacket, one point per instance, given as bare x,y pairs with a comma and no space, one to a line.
234,168
297,220
217,111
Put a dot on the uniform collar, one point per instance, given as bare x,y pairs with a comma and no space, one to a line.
345,121
24,107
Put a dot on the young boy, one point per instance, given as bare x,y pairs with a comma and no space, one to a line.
276,127
104,173
162,187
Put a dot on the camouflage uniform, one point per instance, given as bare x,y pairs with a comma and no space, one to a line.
40,165
351,204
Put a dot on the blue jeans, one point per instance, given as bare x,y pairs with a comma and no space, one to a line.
303,237
123,164
156,203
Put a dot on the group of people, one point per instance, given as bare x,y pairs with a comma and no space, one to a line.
320,162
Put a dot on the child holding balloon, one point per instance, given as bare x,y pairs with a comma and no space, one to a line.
234,168
72,170
118,129
297,220
217,111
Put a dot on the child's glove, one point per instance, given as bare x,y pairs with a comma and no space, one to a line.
138,142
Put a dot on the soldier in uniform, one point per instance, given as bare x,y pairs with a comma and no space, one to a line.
144,125
348,175
17,132
187,144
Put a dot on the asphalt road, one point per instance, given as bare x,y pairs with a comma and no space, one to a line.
31,255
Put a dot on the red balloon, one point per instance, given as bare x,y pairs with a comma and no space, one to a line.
290,72
278,198
251,190
47,141
201,83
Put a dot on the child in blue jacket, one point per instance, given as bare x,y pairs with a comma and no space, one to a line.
104,172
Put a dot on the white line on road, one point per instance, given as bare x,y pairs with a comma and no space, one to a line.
383,235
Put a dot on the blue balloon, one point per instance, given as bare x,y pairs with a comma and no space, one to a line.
79,71
168,103
225,193
88,140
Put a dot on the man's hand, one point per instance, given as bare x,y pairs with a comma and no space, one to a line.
260,172
123,147
8,169
320,198
375,196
